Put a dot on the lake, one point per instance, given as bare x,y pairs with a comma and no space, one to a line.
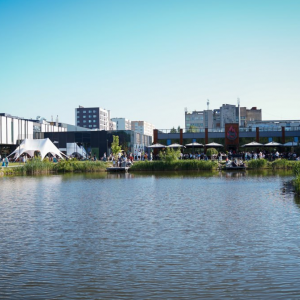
150,236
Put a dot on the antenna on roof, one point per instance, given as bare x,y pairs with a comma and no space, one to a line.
207,104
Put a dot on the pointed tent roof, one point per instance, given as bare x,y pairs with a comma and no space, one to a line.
44,146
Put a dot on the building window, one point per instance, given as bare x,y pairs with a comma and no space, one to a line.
94,116
84,121
90,116
94,111
84,117
94,121
84,111
90,121
95,125
90,126
90,111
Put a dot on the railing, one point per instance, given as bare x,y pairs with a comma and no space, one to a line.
242,129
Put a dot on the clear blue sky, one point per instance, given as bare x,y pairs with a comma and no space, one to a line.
148,60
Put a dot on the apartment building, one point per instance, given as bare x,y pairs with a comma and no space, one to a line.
142,127
122,123
92,118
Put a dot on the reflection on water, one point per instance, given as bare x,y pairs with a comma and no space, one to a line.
187,235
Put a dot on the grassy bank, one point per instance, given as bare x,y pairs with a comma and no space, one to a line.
36,166
279,164
296,171
179,165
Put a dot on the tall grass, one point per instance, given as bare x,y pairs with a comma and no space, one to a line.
178,165
296,171
257,163
80,166
283,164
36,166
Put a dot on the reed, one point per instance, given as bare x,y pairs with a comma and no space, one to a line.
257,163
179,165
283,164
65,166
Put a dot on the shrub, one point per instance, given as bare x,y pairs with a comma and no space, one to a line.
211,151
297,184
170,155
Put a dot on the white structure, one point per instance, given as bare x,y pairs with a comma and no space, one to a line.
112,125
122,123
13,129
142,127
73,148
29,146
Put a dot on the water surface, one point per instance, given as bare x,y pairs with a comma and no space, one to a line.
145,236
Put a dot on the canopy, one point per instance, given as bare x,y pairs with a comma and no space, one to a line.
74,148
273,144
194,144
213,145
157,146
290,144
29,146
252,144
175,146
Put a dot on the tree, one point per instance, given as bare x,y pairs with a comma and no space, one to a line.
173,130
211,151
170,155
115,147
178,129
192,129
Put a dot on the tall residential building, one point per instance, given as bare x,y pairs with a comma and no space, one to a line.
92,117
217,118
199,119
142,127
122,123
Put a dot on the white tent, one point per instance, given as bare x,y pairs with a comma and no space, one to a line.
44,146
74,148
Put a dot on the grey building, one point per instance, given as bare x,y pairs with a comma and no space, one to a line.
199,119
92,118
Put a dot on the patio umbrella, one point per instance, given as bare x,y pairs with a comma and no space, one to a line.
213,145
253,144
175,146
273,144
290,144
155,146
194,144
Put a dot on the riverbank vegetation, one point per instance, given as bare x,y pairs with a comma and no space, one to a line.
296,171
36,166
279,164
178,165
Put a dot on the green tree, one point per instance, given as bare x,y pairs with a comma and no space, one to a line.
170,155
192,129
115,147
178,129
173,130
211,151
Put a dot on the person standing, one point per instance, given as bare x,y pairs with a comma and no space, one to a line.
6,161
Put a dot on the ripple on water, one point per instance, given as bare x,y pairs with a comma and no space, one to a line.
149,236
